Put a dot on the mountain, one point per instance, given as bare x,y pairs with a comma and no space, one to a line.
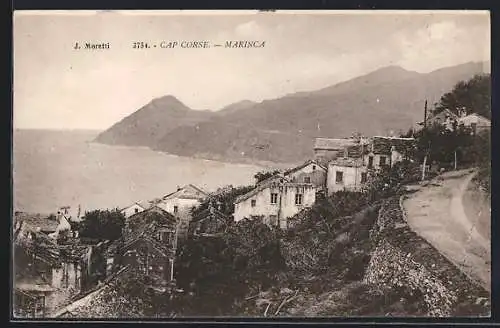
283,129
235,107
149,124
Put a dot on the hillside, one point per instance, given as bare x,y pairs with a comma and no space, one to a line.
149,124
283,129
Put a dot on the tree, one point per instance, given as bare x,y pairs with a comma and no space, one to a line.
263,175
102,224
473,95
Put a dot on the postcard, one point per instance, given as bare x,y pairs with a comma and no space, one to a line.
251,164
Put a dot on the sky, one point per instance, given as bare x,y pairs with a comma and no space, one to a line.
58,87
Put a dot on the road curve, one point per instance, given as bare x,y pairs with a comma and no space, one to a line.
436,212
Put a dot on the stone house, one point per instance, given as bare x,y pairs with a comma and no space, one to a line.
386,151
346,174
209,222
148,244
274,200
327,149
180,203
309,172
46,273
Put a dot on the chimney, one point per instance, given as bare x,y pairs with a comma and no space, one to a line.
178,188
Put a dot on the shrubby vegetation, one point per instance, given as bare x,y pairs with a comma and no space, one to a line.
102,225
263,175
316,266
223,199
473,95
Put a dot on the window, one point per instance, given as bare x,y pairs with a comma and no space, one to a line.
382,160
253,202
363,177
136,210
274,198
307,179
298,199
339,177
370,162
314,167
176,208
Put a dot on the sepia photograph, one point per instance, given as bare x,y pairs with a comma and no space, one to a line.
251,164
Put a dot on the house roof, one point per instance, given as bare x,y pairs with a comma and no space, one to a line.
34,287
383,145
334,144
189,191
44,247
86,306
142,204
141,231
154,208
474,117
207,214
268,183
440,116
144,222
347,162
37,221
305,164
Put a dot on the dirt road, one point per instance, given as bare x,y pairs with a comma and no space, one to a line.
437,213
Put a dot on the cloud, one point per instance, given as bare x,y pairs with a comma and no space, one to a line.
441,44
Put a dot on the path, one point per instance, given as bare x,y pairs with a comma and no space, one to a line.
436,212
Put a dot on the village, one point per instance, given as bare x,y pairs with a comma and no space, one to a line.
56,268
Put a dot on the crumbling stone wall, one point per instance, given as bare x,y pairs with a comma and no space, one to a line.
401,258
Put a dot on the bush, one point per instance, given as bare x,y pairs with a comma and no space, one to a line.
102,225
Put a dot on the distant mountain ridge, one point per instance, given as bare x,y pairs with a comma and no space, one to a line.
149,124
283,129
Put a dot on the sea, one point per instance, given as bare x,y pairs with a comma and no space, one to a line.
65,168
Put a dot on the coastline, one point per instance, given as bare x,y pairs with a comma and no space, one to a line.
212,157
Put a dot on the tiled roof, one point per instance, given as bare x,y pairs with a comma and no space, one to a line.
45,248
35,221
142,204
356,151
146,213
89,304
273,180
475,118
189,191
270,184
287,172
333,144
383,145
347,162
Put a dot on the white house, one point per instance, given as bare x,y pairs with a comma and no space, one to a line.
309,172
475,121
275,200
133,209
346,174
180,202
